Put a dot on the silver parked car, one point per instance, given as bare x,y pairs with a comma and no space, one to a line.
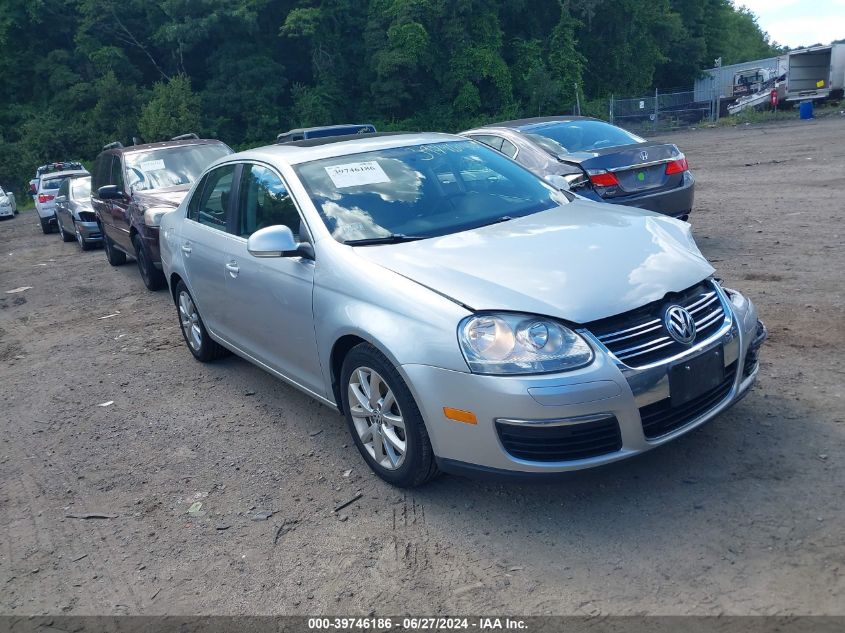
463,314
75,216
45,199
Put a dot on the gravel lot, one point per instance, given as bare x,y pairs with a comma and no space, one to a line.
744,516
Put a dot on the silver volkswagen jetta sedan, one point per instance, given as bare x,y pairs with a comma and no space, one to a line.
460,312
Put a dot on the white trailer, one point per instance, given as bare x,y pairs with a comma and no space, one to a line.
817,72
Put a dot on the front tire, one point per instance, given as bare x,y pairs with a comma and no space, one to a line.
66,237
114,256
384,419
196,336
85,246
152,277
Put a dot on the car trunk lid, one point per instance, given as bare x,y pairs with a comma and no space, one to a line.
632,169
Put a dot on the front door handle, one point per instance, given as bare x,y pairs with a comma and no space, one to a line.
233,269
186,248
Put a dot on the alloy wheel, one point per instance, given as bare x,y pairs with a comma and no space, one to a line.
190,321
377,418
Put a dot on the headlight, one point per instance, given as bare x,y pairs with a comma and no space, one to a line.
737,299
5,202
507,343
152,217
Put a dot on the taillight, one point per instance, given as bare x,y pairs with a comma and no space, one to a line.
677,166
43,197
605,179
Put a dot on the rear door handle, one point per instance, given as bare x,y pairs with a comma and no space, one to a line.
186,248
233,269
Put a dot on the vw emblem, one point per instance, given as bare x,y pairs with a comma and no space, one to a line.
644,155
680,324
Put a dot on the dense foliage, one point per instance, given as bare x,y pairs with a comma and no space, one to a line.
79,73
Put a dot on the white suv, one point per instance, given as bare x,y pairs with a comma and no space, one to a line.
45,197
8,206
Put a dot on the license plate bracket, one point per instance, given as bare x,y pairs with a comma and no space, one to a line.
696,376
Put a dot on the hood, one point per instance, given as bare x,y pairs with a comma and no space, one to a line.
162,198
579,262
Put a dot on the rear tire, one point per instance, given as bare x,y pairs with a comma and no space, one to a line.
114,256
152,277
200,344
386,425
45,226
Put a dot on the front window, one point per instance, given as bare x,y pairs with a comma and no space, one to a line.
264,201
170,166
565,137
210,202
422,191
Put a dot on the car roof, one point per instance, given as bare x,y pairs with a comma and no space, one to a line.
63,174
161,145
521,124
344,129
298,152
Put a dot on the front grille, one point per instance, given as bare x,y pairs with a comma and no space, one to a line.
639,337
87,216
567,442
660,418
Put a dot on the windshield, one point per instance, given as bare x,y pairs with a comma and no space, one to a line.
170,166
565,137
80,188
422,191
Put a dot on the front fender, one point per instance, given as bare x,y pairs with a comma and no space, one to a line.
407,322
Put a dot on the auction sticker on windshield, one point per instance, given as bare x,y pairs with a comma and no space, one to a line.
356,174
152,165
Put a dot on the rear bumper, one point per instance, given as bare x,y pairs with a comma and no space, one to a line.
676,202
48,213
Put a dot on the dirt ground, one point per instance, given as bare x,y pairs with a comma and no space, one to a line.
744,516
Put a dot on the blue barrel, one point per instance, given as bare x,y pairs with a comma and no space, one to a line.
805,110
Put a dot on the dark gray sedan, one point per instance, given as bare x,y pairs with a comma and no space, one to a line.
75,215
597,160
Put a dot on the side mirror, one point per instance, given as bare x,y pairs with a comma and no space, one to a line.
558,182
276,241
61,199
109,192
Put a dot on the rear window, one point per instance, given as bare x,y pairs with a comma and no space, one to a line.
52,183
565,137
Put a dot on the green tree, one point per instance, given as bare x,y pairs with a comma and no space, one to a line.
173,109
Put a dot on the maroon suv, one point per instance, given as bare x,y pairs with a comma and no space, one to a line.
132,187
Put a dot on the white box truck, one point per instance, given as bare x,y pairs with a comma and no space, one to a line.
817,72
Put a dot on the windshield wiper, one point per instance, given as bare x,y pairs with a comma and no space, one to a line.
393,238
504,218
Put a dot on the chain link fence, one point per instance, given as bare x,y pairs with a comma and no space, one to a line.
661,111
